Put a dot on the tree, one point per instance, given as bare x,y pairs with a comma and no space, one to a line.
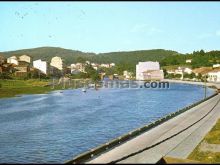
95,77
165,72
192,75
199,76
177,76
81,60
202,52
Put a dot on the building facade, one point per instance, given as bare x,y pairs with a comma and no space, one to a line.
214,76
216,65
12,60
25,58
78,67
112,64
127,75
187,70
146,71
189,61
22,69
105,65
41,65
57,62
153,75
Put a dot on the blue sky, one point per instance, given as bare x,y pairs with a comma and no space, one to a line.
110,26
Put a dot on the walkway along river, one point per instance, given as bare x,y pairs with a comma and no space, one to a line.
176,137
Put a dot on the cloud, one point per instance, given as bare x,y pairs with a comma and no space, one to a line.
144,28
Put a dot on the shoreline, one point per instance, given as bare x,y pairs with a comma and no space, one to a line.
103,152
17,88
208,84
18,91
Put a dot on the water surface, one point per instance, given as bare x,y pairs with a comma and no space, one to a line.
54,127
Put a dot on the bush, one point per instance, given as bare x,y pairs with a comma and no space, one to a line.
5,76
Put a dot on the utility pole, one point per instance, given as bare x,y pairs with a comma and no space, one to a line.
39,74
205,86
53,83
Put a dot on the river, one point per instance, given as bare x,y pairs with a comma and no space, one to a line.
55,127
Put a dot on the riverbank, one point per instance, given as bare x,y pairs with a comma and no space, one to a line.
199,120
12,88
208,84
208,151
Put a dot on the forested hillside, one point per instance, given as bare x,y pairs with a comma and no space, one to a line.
71,56
126,60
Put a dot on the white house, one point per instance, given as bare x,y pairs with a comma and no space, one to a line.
216,65
41,65
57,62
172,71
95,66
88,62
105,65
179,70
182,70
214,76
189,61
73,68
12,60
112,64
153,75
78,67
143,68
187,70
127,75
25,58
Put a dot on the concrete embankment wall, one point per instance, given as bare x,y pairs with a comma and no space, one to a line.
86,156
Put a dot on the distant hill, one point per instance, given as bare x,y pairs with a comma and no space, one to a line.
133,57
71,56
125,60
46,53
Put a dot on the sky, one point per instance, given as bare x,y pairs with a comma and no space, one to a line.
110,26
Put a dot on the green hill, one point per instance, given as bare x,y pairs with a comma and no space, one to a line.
71,56
133,57
46,53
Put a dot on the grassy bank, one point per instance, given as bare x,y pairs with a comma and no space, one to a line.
213,137
11,88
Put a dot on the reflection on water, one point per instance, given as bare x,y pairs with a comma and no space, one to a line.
52,128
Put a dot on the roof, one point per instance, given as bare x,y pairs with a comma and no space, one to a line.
202,70
25,55
14,57
150,71
215,70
